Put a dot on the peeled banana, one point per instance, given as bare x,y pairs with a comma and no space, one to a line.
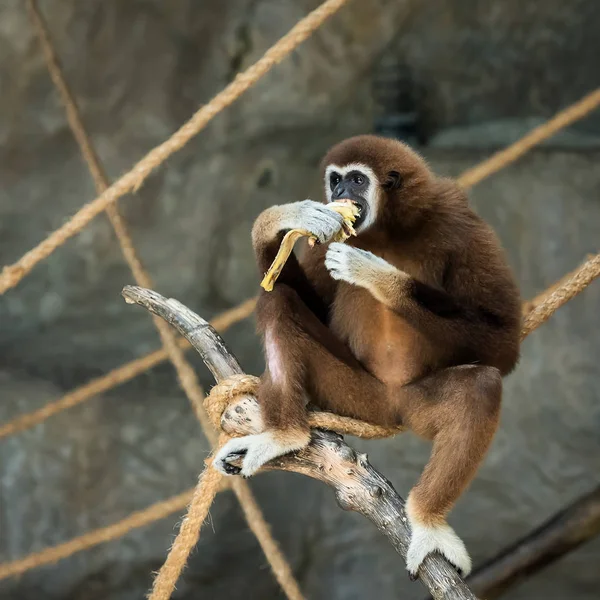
349,212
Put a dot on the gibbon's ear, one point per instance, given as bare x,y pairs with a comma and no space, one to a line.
393,181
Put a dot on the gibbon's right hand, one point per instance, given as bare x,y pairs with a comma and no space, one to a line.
322,222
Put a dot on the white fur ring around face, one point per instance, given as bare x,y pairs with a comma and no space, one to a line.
443,539
254,450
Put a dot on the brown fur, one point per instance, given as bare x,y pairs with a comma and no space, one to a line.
425,345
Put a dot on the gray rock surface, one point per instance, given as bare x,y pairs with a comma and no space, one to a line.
482,71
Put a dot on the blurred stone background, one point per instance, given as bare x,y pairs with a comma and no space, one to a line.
466,77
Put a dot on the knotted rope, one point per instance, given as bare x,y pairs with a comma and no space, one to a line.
232,388
216,404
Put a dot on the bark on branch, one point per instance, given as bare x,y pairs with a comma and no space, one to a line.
357,485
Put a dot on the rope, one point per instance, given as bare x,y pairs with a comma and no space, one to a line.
216,403
226,391
222,394
117,376
505,157
133,179
186,374
140,518
189,533
580,279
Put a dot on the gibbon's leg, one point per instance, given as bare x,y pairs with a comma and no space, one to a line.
458,408
304,361
307,362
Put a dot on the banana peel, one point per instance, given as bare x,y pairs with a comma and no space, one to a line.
349,212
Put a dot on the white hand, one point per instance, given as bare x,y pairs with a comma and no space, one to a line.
359,267
322,222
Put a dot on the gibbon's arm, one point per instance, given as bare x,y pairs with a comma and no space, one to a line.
430,309
268,232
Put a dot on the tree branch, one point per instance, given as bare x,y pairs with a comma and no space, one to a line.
357,485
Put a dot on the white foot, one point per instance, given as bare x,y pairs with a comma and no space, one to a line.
440,538
256,450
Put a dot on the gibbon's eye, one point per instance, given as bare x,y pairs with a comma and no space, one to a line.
358,179
393,181
334,179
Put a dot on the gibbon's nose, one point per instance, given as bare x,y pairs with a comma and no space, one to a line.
340,191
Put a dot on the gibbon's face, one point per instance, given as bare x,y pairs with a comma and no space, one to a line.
383,177
356,182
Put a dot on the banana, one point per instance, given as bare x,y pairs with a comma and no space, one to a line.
349,212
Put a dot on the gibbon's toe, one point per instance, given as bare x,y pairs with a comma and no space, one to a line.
232,450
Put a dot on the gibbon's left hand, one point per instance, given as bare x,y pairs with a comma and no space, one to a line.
356,266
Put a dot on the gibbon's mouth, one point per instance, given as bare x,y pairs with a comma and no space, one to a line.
362,206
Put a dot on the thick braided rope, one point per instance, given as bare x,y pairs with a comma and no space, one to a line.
560,295
545,306
216,403
228,390
140,518
186,374
536,136
188,535
132,180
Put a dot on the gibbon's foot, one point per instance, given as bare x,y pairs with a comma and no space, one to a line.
233,469
426,539
258,449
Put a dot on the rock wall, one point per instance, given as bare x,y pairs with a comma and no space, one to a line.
482,73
